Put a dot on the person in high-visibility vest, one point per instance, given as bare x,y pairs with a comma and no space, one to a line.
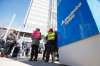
50,43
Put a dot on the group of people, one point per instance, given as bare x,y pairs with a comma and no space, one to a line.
50,45
8,44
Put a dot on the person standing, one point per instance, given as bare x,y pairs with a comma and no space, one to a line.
2,47
10,42
56,54
45,49
36,36
27,50
50,45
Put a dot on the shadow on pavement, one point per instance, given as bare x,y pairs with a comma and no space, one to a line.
38,63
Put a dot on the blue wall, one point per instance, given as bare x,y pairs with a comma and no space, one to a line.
80,27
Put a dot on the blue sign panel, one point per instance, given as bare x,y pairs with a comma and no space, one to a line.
75,21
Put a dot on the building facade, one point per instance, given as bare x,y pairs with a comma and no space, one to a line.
41,14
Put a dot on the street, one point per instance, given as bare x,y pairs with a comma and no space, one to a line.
24,62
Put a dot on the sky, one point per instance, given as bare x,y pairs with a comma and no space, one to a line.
95,9
19,7
10,7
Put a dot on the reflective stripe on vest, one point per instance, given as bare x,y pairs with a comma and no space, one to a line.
51,36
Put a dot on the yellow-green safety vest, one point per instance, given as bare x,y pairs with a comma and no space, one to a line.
51,36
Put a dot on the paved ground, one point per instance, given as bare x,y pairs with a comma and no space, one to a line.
10,62
25,62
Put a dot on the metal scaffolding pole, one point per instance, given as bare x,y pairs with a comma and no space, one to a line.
50,14
9,26
27,14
